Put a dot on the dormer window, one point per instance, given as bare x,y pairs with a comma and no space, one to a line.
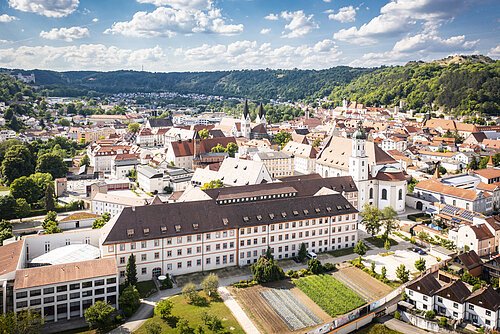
295,213
306,212
328,209
347,206
246,219
146,230
163,229
317,210
259,217
225,221
130,232
283,214
271,215
339,207
195,226
177,228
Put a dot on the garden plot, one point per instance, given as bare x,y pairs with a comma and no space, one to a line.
391,262
290,309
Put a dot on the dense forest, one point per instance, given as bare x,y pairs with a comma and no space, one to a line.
461,85
253,84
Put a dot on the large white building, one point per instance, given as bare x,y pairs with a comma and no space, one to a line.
181,238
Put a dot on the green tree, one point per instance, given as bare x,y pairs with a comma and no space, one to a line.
371,218
133,127
317,142
210,284
22,208
98,223
443,322
420,264
383,273
106,216
18,161
190,293
129,300
52,227
85,161
360,249
315,266
53,164
390,221
131,271
203,133
184,328
387,245
282,138
7,207
99,315
23,322
302,252
473,164
231,149
213,322
25,187
269,253
153,328
402,273
5,230
212,184
266,270
218,149
163,309
49,198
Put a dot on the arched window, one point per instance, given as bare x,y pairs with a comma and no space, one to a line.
384,193
400,194
326,172
371,193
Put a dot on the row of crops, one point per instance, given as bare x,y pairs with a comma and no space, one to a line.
329,293
291,310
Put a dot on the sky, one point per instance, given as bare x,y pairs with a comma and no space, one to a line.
207,35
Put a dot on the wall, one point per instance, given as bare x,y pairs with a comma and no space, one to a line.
420,322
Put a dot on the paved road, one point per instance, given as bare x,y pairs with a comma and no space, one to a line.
402,327
238,312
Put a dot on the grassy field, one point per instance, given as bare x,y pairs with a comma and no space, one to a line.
329,293
379,241
376,329
194,315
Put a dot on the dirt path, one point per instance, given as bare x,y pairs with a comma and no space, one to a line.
238,312
367,287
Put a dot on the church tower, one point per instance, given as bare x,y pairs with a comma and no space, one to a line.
358,162
261,115
245,121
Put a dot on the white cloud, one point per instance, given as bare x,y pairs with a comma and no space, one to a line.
299,24
95,20
495,52
345,14
166,22
327,1
197,4
272,17
86,56
66,34
49,8
251,54
265,31
4,18
400,16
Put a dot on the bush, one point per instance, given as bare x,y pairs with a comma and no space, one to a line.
163,309
129,300
430,314
189,292
397,315
266,270
210,285
167,283
329,266
443,322
245,284
315,266
99,315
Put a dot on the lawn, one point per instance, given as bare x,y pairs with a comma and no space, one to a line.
146,288
329,293
194,315
344,251
378,241
376,329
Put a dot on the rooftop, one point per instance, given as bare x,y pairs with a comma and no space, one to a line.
68,254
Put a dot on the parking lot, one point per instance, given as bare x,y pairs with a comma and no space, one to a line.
391,262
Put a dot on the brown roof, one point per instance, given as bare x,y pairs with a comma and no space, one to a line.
438,187
469,260
45,275
482,232
427,285
492,143
451,125
386,176
80,216
186,147
486,297
456,291
9,256
488,173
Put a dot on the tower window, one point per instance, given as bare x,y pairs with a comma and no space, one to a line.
400,194
384,193
371,193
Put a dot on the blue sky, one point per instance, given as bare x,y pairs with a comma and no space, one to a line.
189,35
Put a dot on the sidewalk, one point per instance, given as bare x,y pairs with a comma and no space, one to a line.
238,312
403,327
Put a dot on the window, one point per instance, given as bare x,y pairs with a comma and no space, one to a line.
371,193
87,293
143,244
111,280
23,294
74,286
455,305
62,298
122,247
471,307
87,284
47,300
157,255
440,299
143,271
410,292
426,298
143,257
36,292
99,282
400,194
488,313
122,260
384,194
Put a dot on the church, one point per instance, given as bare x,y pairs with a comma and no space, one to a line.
378,177
244,126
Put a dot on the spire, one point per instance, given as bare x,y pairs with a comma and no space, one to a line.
262,112
246,113
359,133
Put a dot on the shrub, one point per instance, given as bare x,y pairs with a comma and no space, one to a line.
129,300
267,270
99,315
329,266
430,314
189,292
245,284
210,285
443,322
163,309
167,283
314,266
153,328
397,315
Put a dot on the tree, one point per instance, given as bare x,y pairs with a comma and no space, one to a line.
5,230
49,198
218,149
387,244
420,264
266,270
85,161
183,327
316,142
302,252
203,133
131,271
360,249
431,314
473,164
383,273
18,161
25,187
98,223
99,315
189,292
153,328
402,273
53,164
371,219
390,221
315,266
7,207
282,138
23,322
213,322
129,300
231,149
52,227
212,184
210,285
163,309
269,253
106,216
133,127
23,209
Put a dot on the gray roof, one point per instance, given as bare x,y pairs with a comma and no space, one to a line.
272,155
149,172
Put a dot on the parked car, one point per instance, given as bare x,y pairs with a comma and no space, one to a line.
419,251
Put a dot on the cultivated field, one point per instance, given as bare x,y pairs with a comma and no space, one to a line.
264,304
369,288
330,294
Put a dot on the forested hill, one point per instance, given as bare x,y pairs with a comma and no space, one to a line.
459,84
252,84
